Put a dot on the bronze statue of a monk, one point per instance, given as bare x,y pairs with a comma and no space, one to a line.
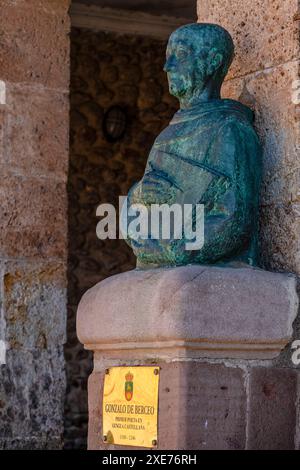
209,154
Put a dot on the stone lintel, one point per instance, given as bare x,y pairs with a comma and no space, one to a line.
123,21
190,312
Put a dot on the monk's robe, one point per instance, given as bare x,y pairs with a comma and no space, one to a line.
210,155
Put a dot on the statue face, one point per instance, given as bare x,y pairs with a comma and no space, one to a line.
186,70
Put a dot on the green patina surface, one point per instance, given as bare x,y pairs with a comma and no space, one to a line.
208,154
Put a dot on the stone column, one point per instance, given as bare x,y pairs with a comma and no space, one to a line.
34,80
211,331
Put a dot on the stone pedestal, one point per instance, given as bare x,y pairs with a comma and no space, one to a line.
214,332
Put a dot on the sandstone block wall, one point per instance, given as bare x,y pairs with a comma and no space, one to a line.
265,76
34,136
106,70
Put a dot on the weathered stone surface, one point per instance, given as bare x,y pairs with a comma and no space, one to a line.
229,312
34,68
32,389
150,94
263,76
270,94
265,34
2,125
196,401
33,217
203,406
39,53
95,393
34,299
32,443
280,228
272,409
37,133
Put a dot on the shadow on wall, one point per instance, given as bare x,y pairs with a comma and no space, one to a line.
106,70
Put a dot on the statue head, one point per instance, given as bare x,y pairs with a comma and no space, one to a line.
198,58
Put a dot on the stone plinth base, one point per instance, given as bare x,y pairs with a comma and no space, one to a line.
207,311
201,325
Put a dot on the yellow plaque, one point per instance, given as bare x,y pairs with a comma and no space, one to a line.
130,403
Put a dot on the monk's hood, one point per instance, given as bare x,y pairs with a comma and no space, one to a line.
214,109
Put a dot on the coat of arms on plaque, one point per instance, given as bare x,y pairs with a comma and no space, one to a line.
128,386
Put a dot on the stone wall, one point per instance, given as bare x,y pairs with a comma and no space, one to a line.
34,74
106,70
264,76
